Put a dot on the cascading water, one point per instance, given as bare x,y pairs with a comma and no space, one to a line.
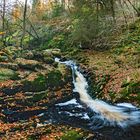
121,116
106,121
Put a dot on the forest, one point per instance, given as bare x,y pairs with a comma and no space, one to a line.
69,69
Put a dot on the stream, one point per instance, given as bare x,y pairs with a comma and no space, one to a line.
112,122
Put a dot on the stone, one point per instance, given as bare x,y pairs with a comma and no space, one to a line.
27,64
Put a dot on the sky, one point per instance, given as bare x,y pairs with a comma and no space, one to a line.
12,2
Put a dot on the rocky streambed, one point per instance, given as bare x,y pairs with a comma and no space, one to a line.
31,85
38,93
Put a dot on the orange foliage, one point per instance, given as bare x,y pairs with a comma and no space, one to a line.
16,13
2,33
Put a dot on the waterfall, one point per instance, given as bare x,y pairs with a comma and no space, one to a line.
121,115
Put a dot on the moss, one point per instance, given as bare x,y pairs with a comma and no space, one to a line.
54,79
6,74
72,135
132,87
96,86
28,64
38,97
39,84
32,137
3,58
49,60
130,91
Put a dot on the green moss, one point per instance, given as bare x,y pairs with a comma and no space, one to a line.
72,135
6,74
96,86
38,97
54,79
49,60
131,87
39,84
130,91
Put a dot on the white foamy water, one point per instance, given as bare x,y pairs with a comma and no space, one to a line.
73,101
122,114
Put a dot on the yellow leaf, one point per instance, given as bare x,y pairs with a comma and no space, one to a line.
2,33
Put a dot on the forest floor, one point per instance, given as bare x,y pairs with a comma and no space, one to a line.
117,79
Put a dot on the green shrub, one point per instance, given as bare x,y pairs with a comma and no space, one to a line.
57,10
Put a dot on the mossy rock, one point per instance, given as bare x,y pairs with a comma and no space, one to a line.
130,91
38,84
6,74
12,51
49,60
27,64
56,52
66,72
62,68
54,79
52,52
39,96
131,87
3,58
28,55
47,53
72,135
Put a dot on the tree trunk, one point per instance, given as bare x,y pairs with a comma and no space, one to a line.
3,20
24,23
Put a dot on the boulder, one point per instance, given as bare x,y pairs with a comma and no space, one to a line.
48,60
28,64
52,52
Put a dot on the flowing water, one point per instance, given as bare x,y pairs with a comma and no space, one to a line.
123,116
108,122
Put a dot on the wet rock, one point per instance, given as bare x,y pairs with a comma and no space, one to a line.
23,115
49,54
9,66
90,137
12,90
38,96
66,72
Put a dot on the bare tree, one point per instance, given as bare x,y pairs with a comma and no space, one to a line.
24,23
3,19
